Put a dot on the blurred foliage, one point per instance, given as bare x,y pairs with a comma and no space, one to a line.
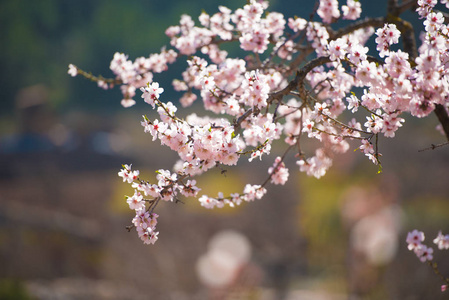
423,208
227,182
319,211
13,290
40,38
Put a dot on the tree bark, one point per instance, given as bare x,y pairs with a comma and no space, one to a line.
443,117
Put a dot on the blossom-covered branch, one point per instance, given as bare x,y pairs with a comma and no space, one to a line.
301,80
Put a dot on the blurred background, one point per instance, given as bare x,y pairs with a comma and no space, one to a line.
62,208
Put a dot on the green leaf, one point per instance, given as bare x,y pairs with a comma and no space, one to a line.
379,170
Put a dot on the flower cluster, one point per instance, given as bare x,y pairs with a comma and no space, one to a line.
442,241
250,193
276,93
414,241
167,188
145,224
279,172
328,10
134,75
386,36
352,10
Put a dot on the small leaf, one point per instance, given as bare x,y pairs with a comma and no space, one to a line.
379,168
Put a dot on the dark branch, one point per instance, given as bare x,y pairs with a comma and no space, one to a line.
443,117
367,22
433,147
297,82
407,5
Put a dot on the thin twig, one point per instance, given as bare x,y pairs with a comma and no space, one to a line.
435,269
277,165
433,146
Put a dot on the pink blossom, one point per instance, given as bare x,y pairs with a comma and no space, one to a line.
387,36
127,102
307,126
316,165
136,201
391,124
424,253
374,124
297,24
253,192
397,64
414,239
337,49
255,40
366,73
352,10
367,147
353,103
442,241
433,22
279,173
127,174
149,236
328,10
151,93
357,53
209,202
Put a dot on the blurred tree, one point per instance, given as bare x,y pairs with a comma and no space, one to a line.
39,39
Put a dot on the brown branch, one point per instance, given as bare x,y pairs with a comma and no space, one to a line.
307,51
239,121
396,9
392,7
298,81
408,5
435,269
443,117
94,78
433,147
298,60
367,22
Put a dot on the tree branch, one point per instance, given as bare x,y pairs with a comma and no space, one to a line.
410,4
367,22
296,83
443,117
